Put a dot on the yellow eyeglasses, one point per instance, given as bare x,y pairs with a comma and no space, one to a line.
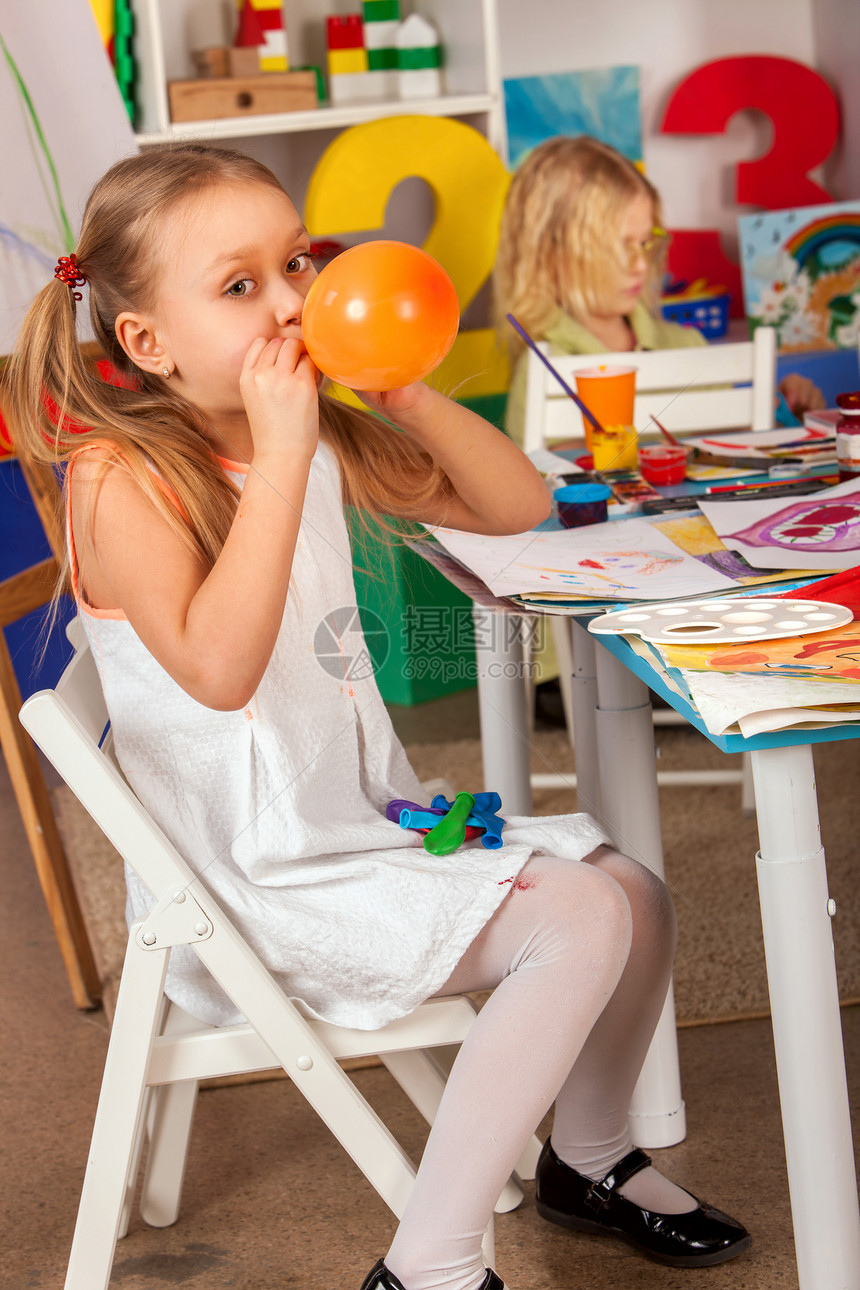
649,248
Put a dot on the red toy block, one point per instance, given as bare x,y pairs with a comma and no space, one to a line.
345,31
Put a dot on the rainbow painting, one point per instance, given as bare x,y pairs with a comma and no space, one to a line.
801,274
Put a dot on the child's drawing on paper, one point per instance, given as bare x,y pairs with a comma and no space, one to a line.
801,272
808,526
833,656
818,532
632,559
693,534
618,573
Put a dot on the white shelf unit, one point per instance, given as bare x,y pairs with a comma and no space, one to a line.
168,30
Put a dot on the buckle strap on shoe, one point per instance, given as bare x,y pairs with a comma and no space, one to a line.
600,1191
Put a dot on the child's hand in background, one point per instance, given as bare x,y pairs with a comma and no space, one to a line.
801,394
279,389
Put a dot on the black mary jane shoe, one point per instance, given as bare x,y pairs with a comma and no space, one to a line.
379,1278
697,1239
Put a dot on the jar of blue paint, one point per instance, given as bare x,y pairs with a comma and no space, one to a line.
580,504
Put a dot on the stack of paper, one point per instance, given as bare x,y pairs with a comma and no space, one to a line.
752,703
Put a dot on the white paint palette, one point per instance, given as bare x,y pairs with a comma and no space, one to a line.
723,619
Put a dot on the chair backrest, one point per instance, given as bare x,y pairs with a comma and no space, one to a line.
711,387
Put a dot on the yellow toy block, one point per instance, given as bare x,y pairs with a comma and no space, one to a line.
342,61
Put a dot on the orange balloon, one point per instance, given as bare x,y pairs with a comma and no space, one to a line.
380,315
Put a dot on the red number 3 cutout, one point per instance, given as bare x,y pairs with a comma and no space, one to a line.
805,117
799,102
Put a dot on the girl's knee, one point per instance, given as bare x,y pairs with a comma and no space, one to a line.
607,904
650,900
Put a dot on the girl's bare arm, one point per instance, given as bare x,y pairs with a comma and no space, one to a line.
212,629
497,489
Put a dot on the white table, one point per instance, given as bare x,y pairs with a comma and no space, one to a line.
615,746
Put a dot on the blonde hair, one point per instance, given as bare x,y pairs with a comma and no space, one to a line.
58,402
560,235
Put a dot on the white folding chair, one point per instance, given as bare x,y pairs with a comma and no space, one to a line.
712,387
158,1053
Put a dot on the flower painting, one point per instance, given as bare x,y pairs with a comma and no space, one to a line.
801,273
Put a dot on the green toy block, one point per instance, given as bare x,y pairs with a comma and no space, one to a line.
381,10
381,60
416,60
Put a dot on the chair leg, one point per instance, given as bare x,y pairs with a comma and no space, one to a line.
118,1119
169,1127
313,1069
170,1132
423,1082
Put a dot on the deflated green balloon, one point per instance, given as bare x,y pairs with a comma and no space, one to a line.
450,832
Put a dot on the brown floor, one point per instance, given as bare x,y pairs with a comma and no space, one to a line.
272,1203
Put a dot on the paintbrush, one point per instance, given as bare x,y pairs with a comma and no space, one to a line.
584,409
667,435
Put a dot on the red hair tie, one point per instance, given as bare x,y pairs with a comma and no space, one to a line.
67,271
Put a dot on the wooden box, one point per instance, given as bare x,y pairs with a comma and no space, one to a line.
215,98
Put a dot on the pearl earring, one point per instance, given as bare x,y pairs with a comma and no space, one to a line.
165,372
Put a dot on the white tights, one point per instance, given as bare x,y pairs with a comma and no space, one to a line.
579,957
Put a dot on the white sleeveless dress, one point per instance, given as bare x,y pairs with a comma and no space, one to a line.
280,807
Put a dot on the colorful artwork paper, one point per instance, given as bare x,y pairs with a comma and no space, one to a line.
833,656
816,532
801,274
626,560
602,102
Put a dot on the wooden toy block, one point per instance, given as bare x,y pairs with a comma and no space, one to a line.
212,62
214,99
243,60
341,62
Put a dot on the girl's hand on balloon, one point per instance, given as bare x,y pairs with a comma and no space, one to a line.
278,384
394,403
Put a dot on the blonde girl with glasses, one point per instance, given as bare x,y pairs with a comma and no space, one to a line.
580,263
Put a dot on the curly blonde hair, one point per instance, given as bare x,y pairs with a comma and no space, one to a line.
560,234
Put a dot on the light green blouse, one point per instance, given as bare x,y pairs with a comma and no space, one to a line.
566,336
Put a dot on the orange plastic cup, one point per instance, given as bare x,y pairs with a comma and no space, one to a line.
609,393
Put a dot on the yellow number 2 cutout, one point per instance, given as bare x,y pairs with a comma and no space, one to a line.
349,191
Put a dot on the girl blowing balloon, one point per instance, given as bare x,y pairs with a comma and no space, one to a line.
207,544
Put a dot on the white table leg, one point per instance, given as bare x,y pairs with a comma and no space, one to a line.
807,1030
631,815
502,708
584,704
